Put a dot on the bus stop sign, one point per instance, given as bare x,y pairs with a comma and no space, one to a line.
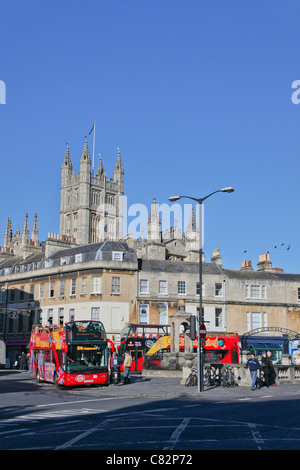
202,331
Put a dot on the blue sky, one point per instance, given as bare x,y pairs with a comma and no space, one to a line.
196,94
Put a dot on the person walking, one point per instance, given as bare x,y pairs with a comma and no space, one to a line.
272,369
266,368
23,361
253,366
127,365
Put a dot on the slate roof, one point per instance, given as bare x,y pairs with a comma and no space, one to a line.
95,251
179,266
92,252
271,275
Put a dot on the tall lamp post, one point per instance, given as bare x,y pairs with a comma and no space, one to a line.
200,315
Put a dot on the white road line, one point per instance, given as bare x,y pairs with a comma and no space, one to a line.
177,433
77,401
190,406
14,430
256,435
83,435
35,417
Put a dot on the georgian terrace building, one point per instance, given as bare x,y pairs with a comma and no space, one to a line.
91,282
263,306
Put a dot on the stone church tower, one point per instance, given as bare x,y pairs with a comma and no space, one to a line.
21,243
91,205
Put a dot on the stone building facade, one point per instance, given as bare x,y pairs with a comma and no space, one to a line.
90,282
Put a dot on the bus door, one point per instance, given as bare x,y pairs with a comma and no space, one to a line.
49,369
46,364
137,358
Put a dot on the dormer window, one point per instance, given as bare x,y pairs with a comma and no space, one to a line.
78,258
117,256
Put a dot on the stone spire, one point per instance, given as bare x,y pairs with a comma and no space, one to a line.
154,233
8,234
25,233
35,230
67,160
119,165
119,172
85,153
192,227
100,169
192,233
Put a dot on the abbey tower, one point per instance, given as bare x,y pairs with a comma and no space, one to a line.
91,205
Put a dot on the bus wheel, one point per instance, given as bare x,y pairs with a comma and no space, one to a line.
37,376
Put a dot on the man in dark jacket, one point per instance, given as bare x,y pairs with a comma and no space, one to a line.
23,361
266,368
272,369
254,365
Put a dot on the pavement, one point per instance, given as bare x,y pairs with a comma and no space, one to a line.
171,387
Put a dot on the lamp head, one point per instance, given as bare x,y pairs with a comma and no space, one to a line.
174,198
227,190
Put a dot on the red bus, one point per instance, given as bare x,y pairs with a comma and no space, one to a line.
73,354
218,348
221,347
146,344
138,338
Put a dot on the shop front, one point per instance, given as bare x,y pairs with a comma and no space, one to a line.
14,349
257,342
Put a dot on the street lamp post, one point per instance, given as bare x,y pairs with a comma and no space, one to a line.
200,315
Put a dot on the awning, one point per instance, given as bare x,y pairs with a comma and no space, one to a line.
16,341
264,346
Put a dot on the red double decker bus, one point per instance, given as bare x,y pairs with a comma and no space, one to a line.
147,343
73,354
222,348
138,338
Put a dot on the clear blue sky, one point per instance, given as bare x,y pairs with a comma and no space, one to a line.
197,95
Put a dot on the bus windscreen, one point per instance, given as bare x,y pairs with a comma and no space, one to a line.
87,359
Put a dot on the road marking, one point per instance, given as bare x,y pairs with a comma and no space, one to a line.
13,430
191,406
76,401
35,417
177,433
256,435
83,435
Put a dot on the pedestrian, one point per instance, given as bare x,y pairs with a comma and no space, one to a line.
23,361
266,368
272,369
254,365
127,365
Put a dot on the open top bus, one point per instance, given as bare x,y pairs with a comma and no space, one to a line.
73,354
147,344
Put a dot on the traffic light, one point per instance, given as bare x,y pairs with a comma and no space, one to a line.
192,327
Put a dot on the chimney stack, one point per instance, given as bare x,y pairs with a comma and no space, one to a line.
247,266
216,257
264,263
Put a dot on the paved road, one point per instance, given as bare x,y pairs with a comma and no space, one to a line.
153,414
